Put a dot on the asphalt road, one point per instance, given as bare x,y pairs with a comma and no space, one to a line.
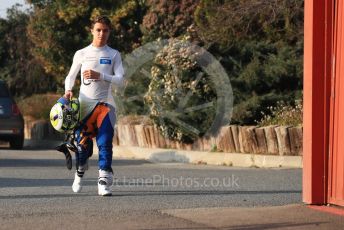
35,192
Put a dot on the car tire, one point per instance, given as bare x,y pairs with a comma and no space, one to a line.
17,142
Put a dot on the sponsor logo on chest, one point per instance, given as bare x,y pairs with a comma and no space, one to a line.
105,61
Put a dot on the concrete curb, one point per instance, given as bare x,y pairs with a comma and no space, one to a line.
192,157
211,158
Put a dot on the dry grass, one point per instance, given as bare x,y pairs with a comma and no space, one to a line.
284,114
38,106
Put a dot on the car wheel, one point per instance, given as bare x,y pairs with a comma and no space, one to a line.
17,142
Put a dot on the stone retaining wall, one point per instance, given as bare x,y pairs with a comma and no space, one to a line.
273,140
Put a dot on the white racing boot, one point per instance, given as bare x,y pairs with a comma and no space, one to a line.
77,184
105,181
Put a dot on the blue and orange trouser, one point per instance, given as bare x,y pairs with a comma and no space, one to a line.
100,124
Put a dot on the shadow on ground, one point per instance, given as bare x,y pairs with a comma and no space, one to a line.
17,163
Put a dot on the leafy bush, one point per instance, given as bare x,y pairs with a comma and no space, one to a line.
18,66
177,86
260,44
283,114
261,75
227,22
38,106
136,88
166,19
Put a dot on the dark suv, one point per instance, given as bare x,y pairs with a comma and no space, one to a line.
11,120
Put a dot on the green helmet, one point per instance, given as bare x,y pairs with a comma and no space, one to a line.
64,115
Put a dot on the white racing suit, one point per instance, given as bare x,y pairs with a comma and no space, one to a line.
97,106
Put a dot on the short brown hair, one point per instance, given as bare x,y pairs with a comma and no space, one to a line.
101,19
